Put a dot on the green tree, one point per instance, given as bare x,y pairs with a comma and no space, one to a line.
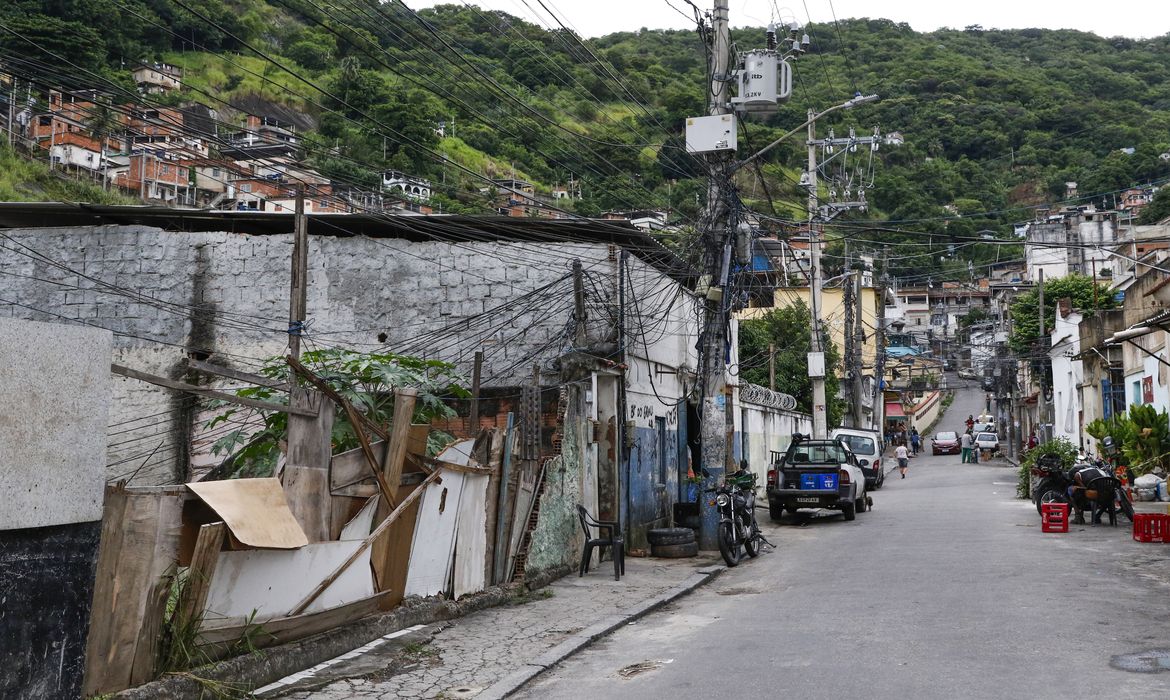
366,380
787,328
1158,209
1025,325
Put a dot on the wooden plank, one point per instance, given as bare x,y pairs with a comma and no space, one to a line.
367,489
307,491
310,436
137,556
384,484
108,630
160,522
471,537
382,527
200,572
404,401
221,371
216,641
504,504
203,391
494,458
352,467
391,558
525,492
255,511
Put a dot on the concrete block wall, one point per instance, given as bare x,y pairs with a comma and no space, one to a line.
225,295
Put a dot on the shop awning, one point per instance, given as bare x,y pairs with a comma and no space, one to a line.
894,410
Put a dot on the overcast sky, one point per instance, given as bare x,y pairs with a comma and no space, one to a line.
1137,19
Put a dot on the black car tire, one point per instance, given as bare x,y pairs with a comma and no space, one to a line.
861,505
881,480
674,551
775,512
849,510
670,535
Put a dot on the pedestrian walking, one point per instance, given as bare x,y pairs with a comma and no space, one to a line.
903,457
915,440
965,444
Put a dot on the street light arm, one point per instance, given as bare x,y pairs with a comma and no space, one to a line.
847,104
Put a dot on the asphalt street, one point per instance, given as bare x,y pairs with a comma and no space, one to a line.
946,589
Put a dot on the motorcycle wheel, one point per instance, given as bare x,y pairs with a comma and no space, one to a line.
1049,495
753,543
728,547
1126,506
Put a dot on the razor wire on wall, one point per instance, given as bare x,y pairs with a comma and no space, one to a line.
754,393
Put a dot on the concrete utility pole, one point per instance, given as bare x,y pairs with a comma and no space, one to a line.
847,289
1040,344
879,370
716,230
858,351
816,356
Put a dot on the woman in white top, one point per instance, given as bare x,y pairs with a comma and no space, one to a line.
903,456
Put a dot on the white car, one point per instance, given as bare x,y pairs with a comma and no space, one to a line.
987,441
867,447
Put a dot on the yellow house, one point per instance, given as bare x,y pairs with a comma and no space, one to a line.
832,316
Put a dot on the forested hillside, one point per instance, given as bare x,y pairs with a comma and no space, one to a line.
993,121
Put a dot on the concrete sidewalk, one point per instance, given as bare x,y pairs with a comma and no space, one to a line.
492,653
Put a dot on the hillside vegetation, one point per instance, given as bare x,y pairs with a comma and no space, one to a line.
994,121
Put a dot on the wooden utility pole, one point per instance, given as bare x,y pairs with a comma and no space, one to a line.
578,304
298,294
772,366
477,369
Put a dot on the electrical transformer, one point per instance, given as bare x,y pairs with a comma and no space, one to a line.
763,80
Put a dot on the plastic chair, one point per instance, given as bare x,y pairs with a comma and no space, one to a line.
613,540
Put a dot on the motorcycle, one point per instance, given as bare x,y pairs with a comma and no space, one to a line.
738,530
1101,493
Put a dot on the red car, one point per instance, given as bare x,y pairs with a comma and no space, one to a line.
945,444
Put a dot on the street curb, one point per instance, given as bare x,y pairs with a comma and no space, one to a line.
265,666
529,671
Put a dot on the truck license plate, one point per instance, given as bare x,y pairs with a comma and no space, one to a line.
807,500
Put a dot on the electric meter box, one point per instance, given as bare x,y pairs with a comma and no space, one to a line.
816,364
711,134
763,81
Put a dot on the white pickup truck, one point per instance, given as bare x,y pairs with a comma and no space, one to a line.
817,474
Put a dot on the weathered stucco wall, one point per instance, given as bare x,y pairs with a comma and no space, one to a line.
558,538
56,384
225,295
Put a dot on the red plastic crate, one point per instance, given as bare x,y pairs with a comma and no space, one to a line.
1151,527
1054,517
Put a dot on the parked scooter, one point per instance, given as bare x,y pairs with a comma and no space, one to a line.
735,499
1088,485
